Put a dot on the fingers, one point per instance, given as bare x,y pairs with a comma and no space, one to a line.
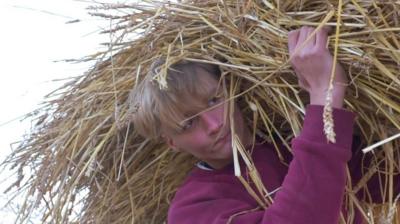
306,50
298,38
322,38
293,36
301,38
305,33
312,63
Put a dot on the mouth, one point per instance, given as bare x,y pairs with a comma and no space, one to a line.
222,139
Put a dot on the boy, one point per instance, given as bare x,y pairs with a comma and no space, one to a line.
190,117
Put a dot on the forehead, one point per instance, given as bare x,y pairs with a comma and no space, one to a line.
186,96
205,86
209,81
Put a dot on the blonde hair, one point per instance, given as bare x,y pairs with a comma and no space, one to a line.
154,110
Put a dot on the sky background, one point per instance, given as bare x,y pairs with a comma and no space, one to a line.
35,38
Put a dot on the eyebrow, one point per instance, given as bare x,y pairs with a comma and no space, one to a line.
192,114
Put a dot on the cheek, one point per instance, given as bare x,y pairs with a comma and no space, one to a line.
219,114
193,142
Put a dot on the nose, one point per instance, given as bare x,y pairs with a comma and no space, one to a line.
212,122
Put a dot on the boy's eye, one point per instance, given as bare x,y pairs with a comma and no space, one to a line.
214,100
188,124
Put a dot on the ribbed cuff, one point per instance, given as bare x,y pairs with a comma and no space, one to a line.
313,127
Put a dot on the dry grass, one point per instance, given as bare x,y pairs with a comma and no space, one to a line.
83,152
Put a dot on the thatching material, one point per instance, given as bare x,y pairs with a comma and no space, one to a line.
82,152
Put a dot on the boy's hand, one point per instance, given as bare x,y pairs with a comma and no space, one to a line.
313,64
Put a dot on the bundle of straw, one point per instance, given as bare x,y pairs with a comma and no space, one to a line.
90,166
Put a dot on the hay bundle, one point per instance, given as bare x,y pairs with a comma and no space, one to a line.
90,166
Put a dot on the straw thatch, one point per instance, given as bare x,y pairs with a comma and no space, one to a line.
88,164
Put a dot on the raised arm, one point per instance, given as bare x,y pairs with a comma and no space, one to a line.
313,189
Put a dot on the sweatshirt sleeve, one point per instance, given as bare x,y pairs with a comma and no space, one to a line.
311,192
313,189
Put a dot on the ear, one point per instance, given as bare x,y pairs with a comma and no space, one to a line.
170,142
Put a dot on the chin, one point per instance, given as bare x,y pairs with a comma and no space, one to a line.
226,151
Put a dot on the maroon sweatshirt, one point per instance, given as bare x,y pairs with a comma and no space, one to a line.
310,190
